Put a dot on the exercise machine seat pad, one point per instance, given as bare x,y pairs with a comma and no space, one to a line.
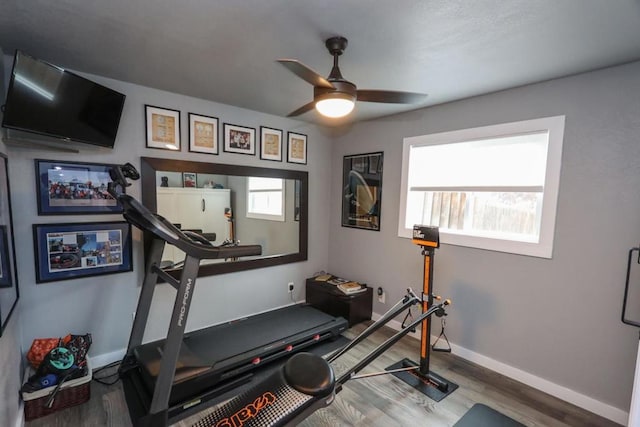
309,374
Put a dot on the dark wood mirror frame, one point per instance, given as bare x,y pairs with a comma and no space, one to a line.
149,166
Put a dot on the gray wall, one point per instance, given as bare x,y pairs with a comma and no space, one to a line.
10,372
104,305
557,319
10,344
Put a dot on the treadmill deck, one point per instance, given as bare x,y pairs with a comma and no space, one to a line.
213,354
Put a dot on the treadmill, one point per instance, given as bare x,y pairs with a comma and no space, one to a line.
211,356
167,380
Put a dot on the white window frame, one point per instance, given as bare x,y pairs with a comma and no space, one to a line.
267,217
544,247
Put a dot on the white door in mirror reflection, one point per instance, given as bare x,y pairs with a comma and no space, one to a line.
198,209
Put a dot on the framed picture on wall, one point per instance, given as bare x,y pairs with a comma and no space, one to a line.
74,188
203,134
9,293
239,139
162,127
270,144
74,250
5,266
296,148
362,190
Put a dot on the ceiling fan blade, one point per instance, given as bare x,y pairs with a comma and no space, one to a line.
391,97
307,107
305,73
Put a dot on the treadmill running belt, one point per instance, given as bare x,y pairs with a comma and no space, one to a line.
223,351
263,331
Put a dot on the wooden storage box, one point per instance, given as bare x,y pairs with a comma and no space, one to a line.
355,308
71,393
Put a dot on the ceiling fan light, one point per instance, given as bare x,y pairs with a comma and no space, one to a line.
335,107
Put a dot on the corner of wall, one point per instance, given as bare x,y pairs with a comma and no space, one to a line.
11,413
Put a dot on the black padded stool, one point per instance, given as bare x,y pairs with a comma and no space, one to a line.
309,374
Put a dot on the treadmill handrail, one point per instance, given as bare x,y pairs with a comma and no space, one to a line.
138,214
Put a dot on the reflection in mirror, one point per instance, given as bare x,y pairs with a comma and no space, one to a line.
227,209
230,204
8,279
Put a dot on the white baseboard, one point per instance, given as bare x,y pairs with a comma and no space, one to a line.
20,419
104,359
585,402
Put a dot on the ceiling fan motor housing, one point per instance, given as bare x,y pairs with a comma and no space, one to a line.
336,45
343,89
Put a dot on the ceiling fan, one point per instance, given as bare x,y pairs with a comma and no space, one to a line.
335,96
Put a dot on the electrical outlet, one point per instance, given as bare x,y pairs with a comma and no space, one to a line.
290,287
381,296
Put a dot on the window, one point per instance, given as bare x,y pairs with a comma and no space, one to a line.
493,187
265,198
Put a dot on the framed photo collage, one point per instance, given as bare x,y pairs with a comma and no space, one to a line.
162,127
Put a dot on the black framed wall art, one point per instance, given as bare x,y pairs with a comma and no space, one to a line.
6,281
296,148
203,134
9,292
74,250
270,144
162,128
362,190
74,188
239,139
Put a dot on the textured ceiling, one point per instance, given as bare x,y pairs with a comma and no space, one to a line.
225,50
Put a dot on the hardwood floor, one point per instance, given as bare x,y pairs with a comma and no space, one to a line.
379,401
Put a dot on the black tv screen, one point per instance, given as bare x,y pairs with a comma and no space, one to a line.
48,100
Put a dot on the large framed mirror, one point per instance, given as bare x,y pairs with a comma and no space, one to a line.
8,273
229,203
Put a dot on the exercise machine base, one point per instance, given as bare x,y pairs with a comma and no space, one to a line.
424,385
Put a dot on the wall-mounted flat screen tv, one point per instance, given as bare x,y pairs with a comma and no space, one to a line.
48,100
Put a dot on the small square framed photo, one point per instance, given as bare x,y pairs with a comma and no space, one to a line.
203,134
162,128
189,179
239,139
297,148
270,144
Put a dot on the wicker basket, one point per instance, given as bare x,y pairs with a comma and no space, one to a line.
71,393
